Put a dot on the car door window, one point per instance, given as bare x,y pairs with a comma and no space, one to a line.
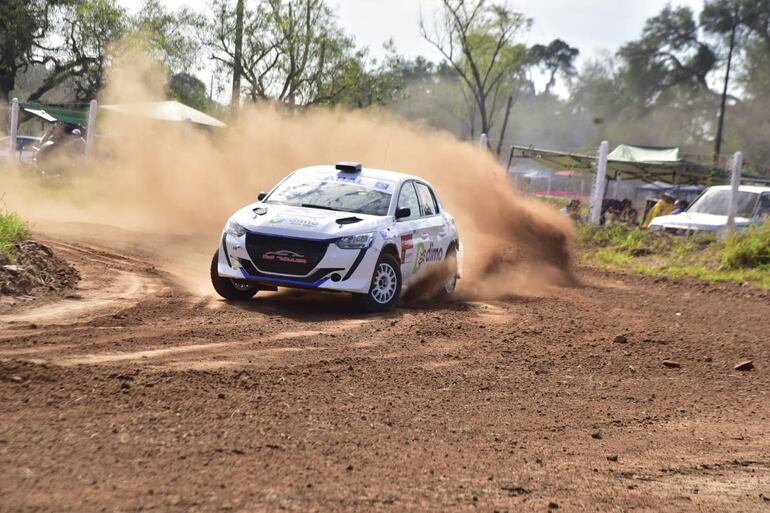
764,205
407,198
427,201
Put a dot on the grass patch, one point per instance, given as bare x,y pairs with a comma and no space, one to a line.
741,258
13,231
750,249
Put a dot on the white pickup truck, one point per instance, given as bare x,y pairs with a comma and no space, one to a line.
708,213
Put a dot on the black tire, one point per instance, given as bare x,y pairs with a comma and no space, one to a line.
448,288
381,298
228,288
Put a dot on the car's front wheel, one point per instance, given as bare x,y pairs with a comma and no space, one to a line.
229,288
385,288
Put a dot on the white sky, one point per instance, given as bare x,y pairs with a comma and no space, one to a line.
590,25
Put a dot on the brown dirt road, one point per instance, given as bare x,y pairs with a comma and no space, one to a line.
133,395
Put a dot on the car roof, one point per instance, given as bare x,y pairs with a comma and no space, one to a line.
758,189
367,172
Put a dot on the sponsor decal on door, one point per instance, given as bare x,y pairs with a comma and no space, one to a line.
427,254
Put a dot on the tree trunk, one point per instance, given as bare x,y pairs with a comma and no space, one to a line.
6,86
721,126
483,114
508,108
235,102
7,76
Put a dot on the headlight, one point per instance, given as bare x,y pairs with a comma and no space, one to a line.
235,229
362,241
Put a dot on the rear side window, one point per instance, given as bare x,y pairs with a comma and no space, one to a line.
407,198
427,201
764,205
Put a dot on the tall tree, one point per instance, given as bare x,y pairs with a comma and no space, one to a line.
726,18
293,51
670,53
554,58
478,39
79,51
169,35
24,26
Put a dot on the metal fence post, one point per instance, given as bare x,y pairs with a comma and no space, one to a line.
735,182
13,131
597,197
91,128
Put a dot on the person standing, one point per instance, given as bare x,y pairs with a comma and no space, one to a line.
662,208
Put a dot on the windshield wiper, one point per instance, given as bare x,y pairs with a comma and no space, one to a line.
322,207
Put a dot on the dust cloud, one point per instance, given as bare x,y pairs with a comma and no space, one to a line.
166,189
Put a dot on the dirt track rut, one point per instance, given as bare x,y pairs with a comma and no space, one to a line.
132,395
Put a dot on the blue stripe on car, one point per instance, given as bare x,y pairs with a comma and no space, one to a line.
283,280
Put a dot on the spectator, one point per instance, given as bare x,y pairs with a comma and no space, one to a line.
573,210
661,208
680,206
628,214
611,209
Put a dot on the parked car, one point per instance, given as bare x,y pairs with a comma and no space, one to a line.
25,148
709,211
342,228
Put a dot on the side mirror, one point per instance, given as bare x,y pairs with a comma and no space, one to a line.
261,196
401,213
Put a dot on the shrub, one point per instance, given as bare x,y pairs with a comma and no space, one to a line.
749,249
13,231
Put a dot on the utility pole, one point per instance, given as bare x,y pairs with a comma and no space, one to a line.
235,102
721,126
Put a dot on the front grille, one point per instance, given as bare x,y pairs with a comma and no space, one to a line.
280,255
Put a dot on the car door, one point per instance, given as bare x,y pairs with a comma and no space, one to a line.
408,228
431,230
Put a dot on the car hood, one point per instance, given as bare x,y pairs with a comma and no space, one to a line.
697,221
310,223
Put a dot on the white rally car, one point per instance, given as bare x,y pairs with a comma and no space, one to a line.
339,228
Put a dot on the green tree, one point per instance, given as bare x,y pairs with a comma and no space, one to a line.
24,27
554,58
670,53
189,90
169,35
293,52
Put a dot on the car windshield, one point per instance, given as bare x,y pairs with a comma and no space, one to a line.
716,201
340,192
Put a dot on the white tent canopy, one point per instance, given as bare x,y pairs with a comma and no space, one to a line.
166,111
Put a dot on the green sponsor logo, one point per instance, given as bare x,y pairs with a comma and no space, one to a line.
427,255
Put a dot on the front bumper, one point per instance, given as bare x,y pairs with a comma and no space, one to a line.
344,270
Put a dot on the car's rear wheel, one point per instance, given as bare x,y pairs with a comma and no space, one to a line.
385,288
229,288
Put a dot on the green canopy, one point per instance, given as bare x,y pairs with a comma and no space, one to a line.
644,163
69,114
